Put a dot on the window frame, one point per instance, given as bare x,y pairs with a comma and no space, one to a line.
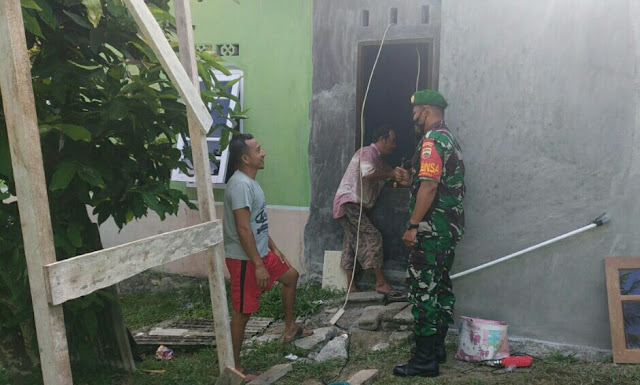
218,181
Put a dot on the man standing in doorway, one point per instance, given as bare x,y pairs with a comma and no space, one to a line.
435,226
253,259
368,163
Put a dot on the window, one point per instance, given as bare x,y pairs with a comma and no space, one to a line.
220,117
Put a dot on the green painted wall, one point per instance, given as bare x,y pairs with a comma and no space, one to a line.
275,55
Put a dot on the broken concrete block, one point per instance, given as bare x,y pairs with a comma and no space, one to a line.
319,336
364,377
388,326
333,276
370,318
336,348
365,298
404,317
400,337
380,346
392,309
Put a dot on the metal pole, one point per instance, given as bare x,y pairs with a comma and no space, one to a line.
602,219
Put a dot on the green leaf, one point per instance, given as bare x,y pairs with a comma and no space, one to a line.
76,132
94,11
63,175
91,176
152,202
224,139
31,24
74,233
214,62
46,14
78,19
145,49
30,4
116,8
231,83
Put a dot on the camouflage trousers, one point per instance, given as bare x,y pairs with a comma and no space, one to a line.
430,288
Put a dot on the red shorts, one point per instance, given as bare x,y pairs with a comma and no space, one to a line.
245,293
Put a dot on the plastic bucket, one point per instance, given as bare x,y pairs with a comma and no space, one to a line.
482,340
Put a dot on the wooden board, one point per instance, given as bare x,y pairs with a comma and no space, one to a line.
84,274
26,160
613,265
272,375
167,57
193,332
206,203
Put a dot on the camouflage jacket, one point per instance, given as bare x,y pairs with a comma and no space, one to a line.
438,157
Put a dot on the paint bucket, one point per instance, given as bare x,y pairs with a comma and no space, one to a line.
482,340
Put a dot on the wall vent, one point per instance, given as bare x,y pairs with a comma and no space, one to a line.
425,14
393,16
228,49
365,17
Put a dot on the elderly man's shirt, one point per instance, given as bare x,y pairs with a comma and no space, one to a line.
438,158
367,160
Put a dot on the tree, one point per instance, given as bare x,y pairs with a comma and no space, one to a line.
109,119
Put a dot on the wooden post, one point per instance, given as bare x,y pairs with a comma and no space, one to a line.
26,159
215,255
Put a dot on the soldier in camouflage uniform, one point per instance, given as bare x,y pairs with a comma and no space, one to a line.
435,227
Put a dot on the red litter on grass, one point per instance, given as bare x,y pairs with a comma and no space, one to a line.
163,353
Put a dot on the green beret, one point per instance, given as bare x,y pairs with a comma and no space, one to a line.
430,97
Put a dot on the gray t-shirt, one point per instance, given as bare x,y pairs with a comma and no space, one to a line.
241,192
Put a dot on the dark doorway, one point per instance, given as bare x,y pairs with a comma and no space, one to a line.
388,102
392,85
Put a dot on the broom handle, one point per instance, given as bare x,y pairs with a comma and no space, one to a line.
601,220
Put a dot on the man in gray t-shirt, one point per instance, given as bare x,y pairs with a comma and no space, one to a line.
253,259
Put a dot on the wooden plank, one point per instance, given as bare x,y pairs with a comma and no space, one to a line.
206,203
84,274
230,376
26,160
364,377
272,375
160,46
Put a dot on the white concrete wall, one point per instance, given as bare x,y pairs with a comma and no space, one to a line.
286,226
545,98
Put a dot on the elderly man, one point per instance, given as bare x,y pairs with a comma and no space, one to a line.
368,163
435,226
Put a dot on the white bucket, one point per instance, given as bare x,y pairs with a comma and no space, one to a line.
482,340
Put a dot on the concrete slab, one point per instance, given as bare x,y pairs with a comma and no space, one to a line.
365,298
333,276
364,377
319,336
370,318
392,309
335,349
404,317
400,337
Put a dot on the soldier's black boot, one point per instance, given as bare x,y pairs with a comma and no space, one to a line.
423,363
441,352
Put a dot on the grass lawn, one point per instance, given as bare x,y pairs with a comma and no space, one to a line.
194,366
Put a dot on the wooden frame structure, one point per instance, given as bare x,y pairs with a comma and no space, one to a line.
613,266
53,283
